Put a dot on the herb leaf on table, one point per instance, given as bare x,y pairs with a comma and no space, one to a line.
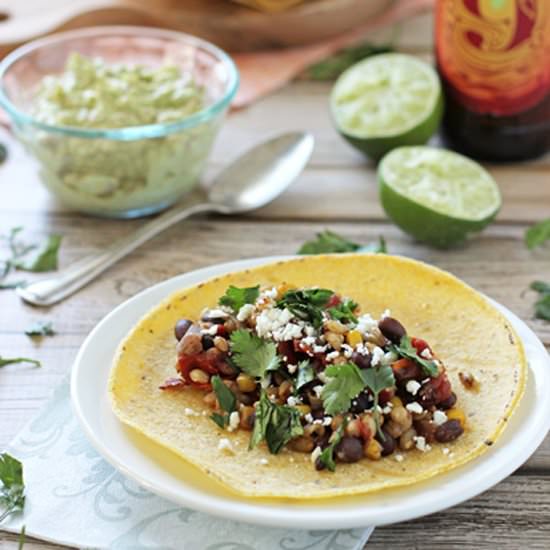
537,234
542,305
40,328
12,489
43,258
13,360
328,242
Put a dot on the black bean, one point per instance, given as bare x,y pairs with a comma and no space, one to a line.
449,431
350,449
319,465
362,361
448,403
227,370
182,326
207,341
360,403
388,443
426,429
392,329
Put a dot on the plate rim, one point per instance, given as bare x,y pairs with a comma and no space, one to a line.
259,514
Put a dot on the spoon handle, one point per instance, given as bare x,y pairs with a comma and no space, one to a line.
50,291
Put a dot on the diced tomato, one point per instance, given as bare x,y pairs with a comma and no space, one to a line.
187,363
420,345
288,349
334,301
365,431
442,387
221,331
385,395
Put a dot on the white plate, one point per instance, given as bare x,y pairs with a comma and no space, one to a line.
164,473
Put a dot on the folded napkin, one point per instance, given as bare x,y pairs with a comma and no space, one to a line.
74,497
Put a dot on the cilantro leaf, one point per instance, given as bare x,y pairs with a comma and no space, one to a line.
343,312
44,258
346,382
277,424
377,248
12,360
222,420
327,456
307,305
542,308
377,379
328,242
540,286
235,297
537,234
305,374
40,328
406,349
12,490
226,398
252,354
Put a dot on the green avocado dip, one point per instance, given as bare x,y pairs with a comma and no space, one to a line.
122,176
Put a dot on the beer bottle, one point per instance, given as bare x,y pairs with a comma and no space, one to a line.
493,57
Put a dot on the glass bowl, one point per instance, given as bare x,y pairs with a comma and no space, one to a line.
119,172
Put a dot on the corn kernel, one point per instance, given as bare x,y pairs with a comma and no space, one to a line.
354,338
457,414
304,409
246,383
396,402
373,449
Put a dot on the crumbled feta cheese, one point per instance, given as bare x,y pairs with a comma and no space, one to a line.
190,412
245,312
264,461
272,319
362,349
399,457
308,341
387,409
308,418
234,420
420,442
425,381
309,330
413,386
385,313
327,420
225,445
389,358
318,390
426,353
292,368
332,355
292,401
315,454
291,331
365,324
217,314
348,350
319,349
212,331
318,421
269,293
377,354
446,450
439,417
414,407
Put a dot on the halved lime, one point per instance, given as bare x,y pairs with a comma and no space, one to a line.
437,196
387,101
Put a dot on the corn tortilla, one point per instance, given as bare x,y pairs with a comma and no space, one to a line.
463,329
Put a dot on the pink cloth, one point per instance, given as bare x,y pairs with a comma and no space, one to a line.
266,71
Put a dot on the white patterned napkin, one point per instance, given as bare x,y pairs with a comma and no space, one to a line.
75,497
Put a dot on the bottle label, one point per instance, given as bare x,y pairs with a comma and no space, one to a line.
495,54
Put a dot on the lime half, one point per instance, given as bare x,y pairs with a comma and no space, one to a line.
435,195
387,101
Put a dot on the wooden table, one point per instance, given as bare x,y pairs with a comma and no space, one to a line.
337,191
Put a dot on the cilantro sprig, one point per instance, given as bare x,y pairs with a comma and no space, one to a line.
326,458
406,349
4,361
344,311
307,305
328,242
537,234
43,257
346,382
40,328
276,424
12,488
226,399
377,379
542,305
252,354
236,297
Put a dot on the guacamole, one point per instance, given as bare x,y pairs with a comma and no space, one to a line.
119,177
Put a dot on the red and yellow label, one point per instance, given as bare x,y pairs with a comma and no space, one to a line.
495,53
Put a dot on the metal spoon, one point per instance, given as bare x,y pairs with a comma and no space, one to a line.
250,182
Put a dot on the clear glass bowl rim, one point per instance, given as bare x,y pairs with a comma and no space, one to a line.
130,132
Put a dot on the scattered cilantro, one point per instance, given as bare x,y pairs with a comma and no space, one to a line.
537,234
12,360
346,382
236,298
277,424
307,305
12,489
331,67
43,258
226,400
343,312
17,249
377,379
40,328
406,349
252,354
328,242
327,456
542,305
305,374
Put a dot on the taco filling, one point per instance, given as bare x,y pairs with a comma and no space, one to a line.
305,369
